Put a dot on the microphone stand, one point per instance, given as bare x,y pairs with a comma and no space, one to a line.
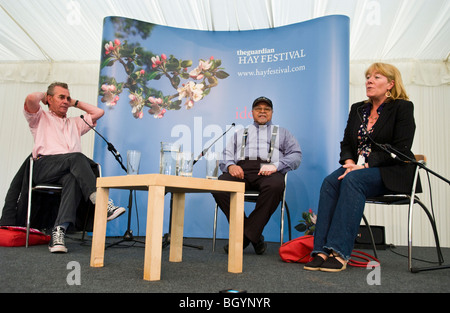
128,236
166,239
421,165
206,150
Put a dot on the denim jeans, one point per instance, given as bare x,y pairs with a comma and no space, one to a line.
341,207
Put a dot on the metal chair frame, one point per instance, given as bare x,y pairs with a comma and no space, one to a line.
410,200
46,188
252,196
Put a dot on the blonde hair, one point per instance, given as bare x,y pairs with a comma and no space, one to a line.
392,74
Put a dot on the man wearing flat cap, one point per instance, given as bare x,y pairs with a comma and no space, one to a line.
259,155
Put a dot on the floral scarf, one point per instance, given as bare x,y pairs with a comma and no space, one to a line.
364,143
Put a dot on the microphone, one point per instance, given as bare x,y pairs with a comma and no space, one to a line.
110,146
205,150
389,148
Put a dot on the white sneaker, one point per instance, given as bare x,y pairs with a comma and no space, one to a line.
114,211
57,243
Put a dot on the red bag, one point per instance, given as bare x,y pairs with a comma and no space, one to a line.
15,236
297,250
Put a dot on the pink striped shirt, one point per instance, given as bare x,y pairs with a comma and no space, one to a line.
55,135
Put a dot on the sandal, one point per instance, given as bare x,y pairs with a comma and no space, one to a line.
314,264
333,265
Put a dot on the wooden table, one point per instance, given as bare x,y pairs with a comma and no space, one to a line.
157,185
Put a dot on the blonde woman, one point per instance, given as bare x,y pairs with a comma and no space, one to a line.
386,118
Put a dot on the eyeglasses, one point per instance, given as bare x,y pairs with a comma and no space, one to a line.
61,97
262,109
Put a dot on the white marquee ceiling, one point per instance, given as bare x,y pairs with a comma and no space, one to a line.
70,30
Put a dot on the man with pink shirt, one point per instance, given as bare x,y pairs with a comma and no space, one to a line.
58,157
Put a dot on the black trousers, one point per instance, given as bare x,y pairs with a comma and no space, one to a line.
74,172
271,192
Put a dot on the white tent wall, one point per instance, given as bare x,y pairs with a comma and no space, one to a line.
17,81
427,85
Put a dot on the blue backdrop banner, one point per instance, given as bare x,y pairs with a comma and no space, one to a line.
163,84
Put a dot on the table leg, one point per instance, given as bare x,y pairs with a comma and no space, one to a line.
153,238
176,236
236,232
99,231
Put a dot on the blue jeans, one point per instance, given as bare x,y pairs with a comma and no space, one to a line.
341,207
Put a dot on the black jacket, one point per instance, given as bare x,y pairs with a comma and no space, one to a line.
396,127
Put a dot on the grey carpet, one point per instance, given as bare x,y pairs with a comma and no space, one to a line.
36,270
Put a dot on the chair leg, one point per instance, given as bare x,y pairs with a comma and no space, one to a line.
282,225
85,223
30,192
214,229
28,220
438,248
433,226
288,215
371,236
285,209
